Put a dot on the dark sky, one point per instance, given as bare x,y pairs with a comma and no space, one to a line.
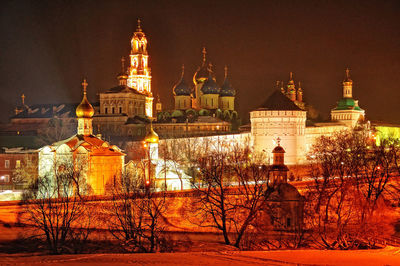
47,47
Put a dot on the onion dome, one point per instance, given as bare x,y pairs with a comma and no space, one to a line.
202,72
210,86
84,109
152,137
226,88
181,88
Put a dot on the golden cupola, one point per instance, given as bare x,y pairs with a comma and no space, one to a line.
152,136
84,109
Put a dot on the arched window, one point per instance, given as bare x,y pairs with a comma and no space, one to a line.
106,110
113,110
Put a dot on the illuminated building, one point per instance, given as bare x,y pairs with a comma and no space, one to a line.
202,107
347,110
206,93
286,200
139,71
283,116
280,117
95,159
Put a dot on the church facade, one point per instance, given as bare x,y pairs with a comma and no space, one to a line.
93,159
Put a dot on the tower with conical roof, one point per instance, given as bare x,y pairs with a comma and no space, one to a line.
279,117
182,93
227,94
84,114
347,110
139,71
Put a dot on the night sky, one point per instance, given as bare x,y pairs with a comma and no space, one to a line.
47,47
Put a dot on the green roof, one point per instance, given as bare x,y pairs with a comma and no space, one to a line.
347,104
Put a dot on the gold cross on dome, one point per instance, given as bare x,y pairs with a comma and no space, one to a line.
278,141
204,54
84,85
23,98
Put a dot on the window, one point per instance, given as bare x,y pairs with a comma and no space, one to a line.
120,110
288,222
106,110
17,164
112,110
7,164
5,179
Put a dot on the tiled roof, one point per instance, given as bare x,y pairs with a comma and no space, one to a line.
278,101
62,110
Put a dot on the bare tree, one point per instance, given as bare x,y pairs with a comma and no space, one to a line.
234,185
133,216
56,210
350,175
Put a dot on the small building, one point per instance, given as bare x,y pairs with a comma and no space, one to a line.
17,168
96,160
286,202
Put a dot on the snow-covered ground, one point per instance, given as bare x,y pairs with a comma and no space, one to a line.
386,256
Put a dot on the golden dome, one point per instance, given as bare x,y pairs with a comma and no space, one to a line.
84,109
152,137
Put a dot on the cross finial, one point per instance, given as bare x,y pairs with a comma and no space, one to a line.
291,75
226,71
183,70
23,99
204,54
278,141
299,84
84,85
347,72
210,67
138,25
123,64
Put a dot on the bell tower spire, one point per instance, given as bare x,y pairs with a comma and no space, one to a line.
139,71
347,85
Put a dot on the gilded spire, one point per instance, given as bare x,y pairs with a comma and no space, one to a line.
84,85
291,76
84,109
152,136
138,25
23,99
122,64
183,71
210,68
226,71
204,55
347,77
278,141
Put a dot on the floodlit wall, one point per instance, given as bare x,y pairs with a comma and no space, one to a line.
289,126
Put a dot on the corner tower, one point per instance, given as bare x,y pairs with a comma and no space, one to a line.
139,71
347,110
279,117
